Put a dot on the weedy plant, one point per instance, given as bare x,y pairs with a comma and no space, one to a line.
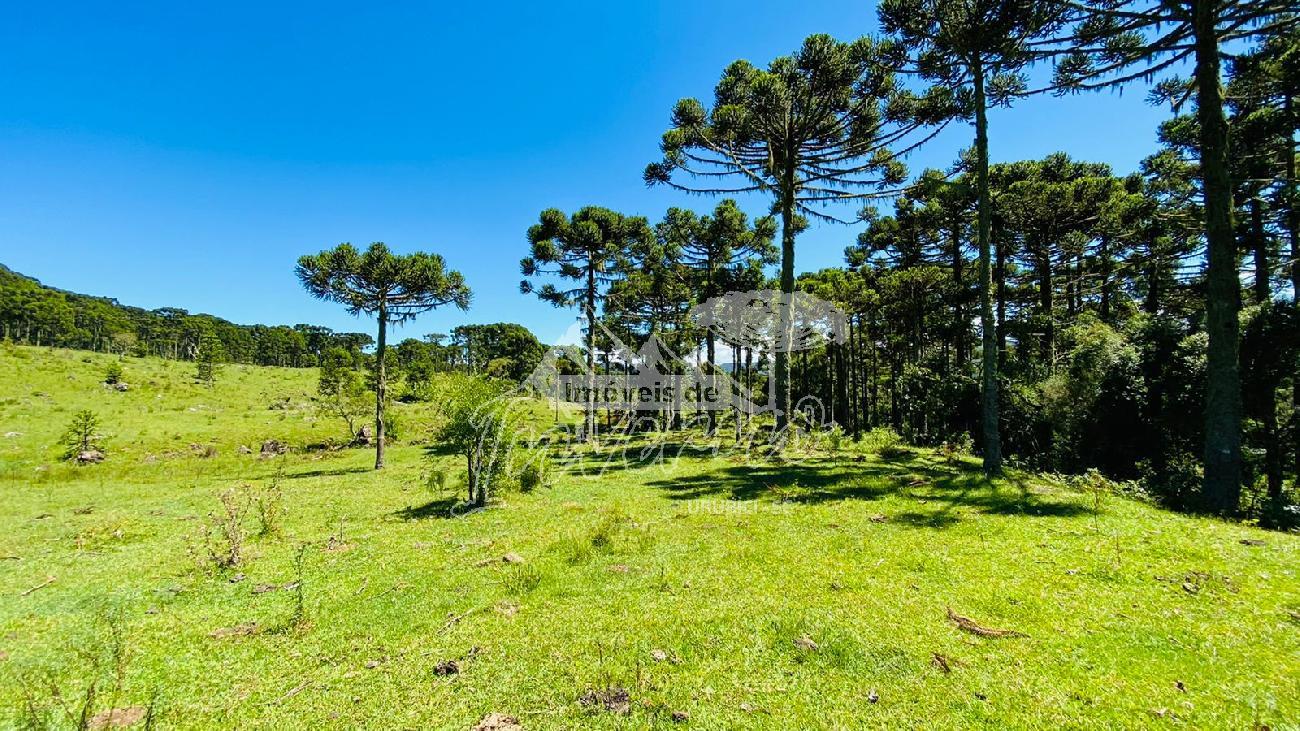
299,585
436,480
835,439
521,579
105,663
886,442
269,504
223,534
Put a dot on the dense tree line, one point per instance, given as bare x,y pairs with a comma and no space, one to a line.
501,350
1098,293
34,314
1069,316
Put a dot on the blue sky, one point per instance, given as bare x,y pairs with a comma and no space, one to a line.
185,154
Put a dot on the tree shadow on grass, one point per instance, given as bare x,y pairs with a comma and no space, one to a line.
803,483
336,472
941,492
934,519
440,508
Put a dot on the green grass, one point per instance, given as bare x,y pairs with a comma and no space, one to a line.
1135,617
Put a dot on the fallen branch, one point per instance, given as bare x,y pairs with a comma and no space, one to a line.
289,695
395,587
454,619
48,580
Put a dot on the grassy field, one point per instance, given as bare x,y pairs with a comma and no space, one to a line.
711,592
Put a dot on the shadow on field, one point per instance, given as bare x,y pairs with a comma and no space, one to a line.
336,472
939,491
434,509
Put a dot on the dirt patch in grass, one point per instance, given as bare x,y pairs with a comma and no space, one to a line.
613,698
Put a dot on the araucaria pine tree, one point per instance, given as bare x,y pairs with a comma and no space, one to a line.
825,125
585,249
713,248
81,441
393,288
208,357
978,49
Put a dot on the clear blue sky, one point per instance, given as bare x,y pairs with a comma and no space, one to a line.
185,154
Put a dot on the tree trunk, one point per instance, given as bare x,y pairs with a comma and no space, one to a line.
1106,265
874,368
855,418
782,363
989,352
711,356
1272,445
736,377
749,384
841,392
1000,273
1259,240
959,282
1222,486
609,410
1293,233
589,418
1046,306
895,414
1268,406
471,475
381,385
1152,302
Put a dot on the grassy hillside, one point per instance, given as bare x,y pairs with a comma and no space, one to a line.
735,595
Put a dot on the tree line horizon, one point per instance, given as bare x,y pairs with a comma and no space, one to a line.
1051,309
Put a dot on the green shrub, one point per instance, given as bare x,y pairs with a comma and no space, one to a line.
1097,484
576,550
835,439
534,472
482,423
113,373
436,480
885,442
342,391
394,424
1176,483
82,435
953,450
